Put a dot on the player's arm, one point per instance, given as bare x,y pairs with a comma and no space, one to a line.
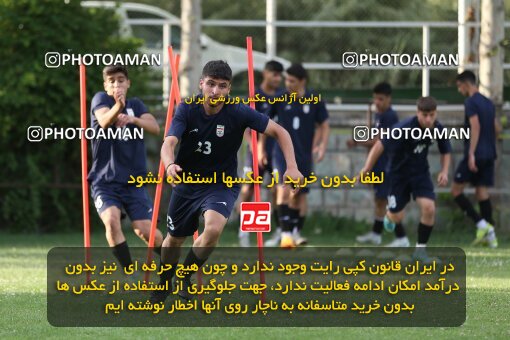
107,116
261,149
442,177
177,128
374,154
168,156
473,140
497,127
146,121
321,144
317,136
283,138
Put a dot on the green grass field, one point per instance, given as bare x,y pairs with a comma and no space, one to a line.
23,295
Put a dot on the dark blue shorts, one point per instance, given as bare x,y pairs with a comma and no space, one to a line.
484,176
402,187
183,213
135,201
248,165
382,190
280,166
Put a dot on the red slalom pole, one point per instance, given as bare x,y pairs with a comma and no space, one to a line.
161,172
175,73
84,166
256,187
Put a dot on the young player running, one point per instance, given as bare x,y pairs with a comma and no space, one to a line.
115,160
385,118
210,135
269,88
308,126
409,167
477,166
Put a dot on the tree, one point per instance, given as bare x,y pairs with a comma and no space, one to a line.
492,51
191,16
39,182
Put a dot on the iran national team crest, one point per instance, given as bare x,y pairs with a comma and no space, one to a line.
220,130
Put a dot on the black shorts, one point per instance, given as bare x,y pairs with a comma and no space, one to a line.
248,165
183,213
483,177
403,187
135,201
279,167
382,190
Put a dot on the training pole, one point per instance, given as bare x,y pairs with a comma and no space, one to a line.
256,187
175,75
84,167
161,172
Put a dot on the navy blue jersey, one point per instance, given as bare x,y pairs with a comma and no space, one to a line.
482,107
114,160
299,120
209,143
408,157
384,120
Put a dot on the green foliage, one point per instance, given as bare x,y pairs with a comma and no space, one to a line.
40,182
311,44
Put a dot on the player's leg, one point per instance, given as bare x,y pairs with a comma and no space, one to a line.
463,202
217,206
482,195
170,254
427,218
284,213
399,194
395,216
483,227
138,206
203,246
246,195
462,176
181,222
298,206
484,180
116,240
142,229
423,192
375,235
274,208
300,202
280,208
484,202
108,205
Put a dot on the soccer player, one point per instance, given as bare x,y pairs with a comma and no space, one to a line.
477,166
308,126
115,160
385,118
210,135
409,170
269,88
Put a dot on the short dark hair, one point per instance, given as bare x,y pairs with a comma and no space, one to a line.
298,71
112,69
426,104
382,88
217,69
274,66
467,77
